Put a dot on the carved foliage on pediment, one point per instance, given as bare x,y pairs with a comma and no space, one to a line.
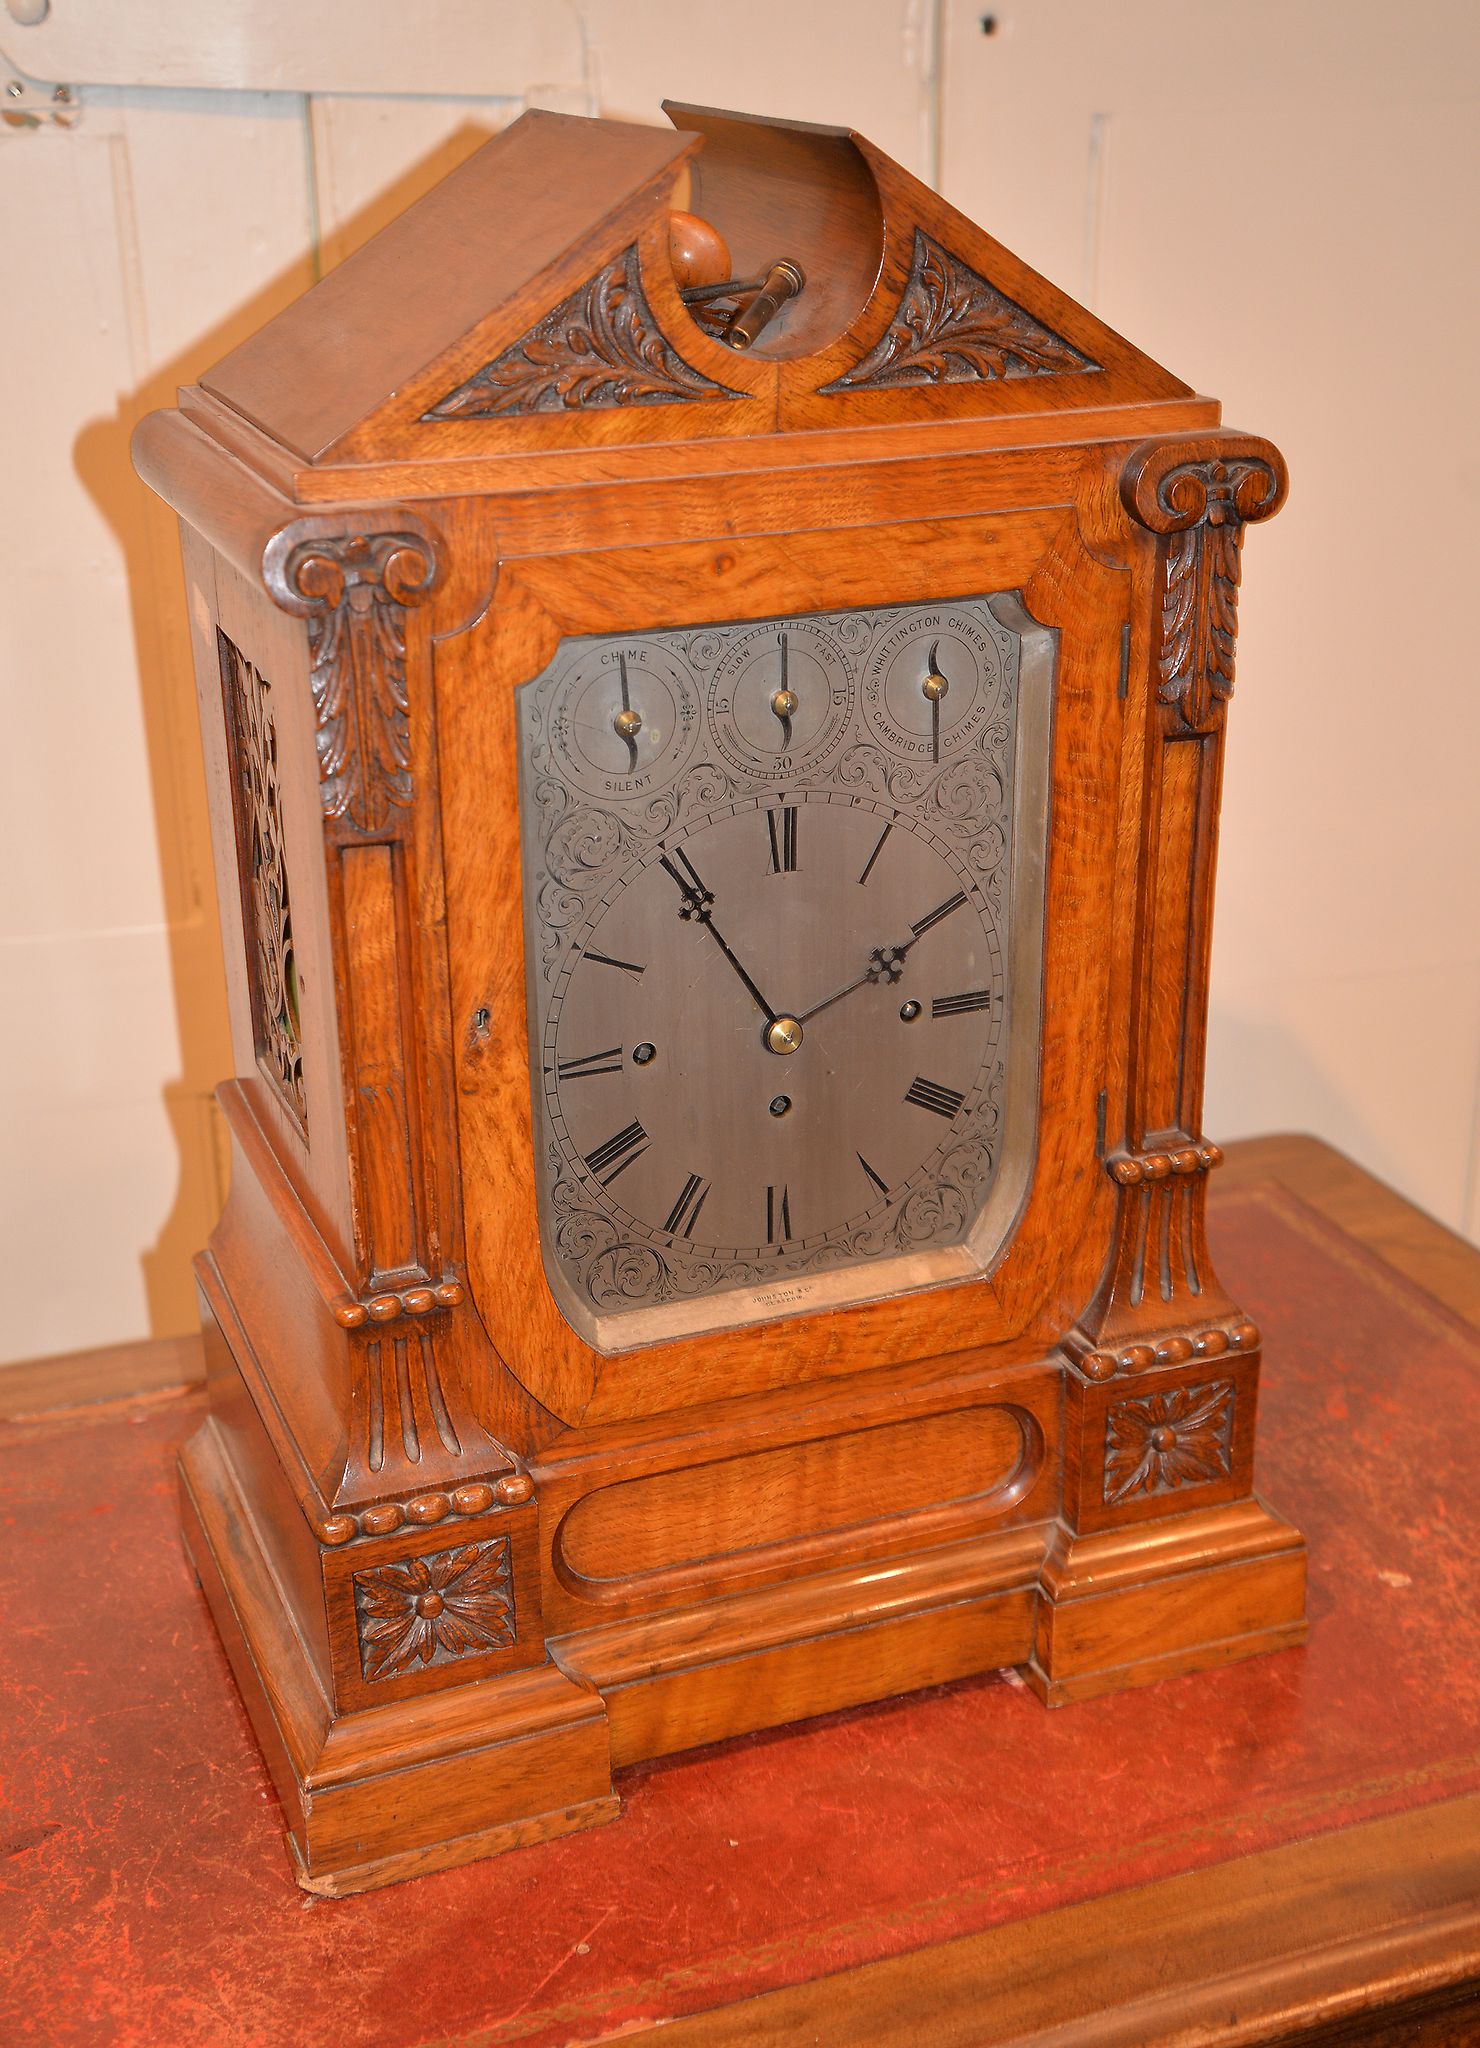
952,327
600,347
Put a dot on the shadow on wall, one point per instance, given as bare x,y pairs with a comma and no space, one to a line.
1261,1077
148,538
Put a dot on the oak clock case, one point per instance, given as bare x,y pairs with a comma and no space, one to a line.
713,710
866,792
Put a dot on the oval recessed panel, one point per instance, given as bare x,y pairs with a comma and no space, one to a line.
737,1506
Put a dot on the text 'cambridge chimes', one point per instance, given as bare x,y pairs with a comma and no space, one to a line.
713,677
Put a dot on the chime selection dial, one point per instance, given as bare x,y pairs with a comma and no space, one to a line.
624,718
933,682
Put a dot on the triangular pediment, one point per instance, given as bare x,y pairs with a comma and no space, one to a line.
529,302
523,219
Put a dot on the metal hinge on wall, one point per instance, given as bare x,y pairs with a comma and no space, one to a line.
28,102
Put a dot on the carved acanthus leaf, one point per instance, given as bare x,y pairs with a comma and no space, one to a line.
354,590
1202,505
1199,609
600,347
952,327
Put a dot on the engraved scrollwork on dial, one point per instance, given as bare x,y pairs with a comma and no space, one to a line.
616,1272
702,786
781,693
942,1202
967,799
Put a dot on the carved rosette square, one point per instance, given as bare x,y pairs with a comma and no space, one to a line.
1167,1441
435,1610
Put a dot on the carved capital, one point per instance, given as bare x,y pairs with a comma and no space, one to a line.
1168,486
475,1497
1128,1169
1199,495
1170,1349
352,1313
354,588
1159,1302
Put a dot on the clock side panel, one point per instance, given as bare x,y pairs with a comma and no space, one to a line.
285,1108
543,600
335,1269
258,738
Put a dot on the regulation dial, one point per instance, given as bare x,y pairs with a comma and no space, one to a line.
779,700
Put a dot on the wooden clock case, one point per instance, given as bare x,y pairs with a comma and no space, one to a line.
464,1565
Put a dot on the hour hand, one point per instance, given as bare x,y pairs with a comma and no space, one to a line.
697,900
885,964
828,1001
698,904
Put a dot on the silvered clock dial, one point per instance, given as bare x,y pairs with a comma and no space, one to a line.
783,888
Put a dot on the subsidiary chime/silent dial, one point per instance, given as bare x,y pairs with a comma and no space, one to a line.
623,718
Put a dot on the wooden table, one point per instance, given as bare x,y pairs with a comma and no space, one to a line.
956,1868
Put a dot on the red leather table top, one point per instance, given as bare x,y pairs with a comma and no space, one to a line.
145,1893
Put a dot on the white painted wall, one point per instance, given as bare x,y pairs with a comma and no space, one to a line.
1280,201
1277,200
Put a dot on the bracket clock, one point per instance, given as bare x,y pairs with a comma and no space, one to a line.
713,677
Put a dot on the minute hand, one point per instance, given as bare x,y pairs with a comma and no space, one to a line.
933,918
877,970
697,900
